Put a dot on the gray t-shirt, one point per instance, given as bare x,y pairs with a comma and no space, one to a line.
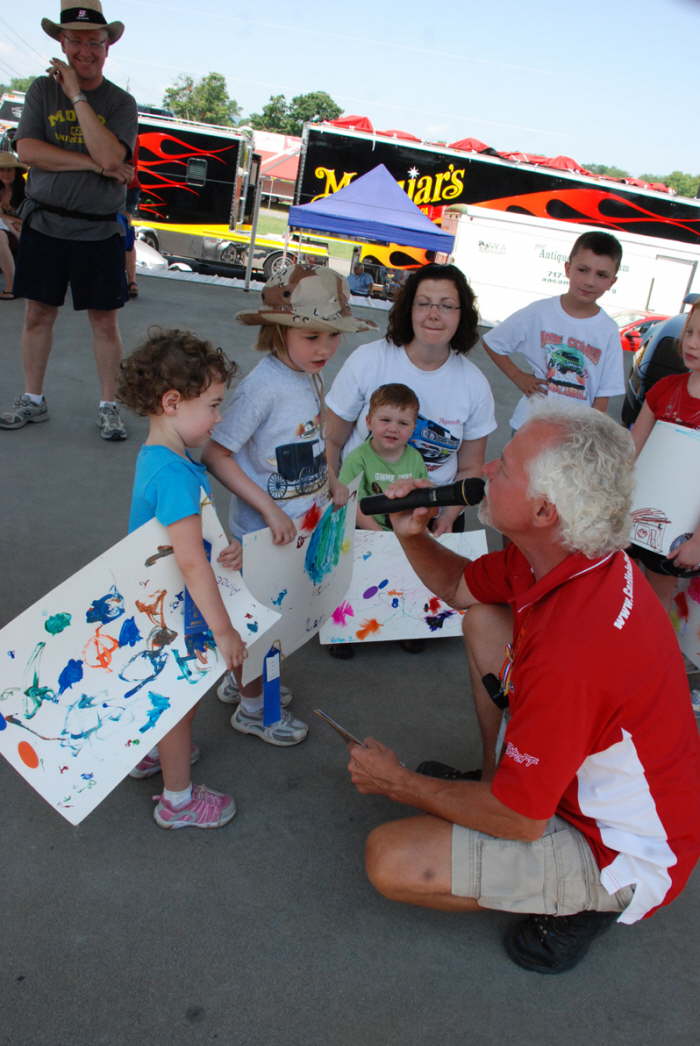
273,428
49,116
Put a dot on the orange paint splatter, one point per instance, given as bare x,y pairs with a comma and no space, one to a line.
394,592
103,647
27,755
311,518
367,628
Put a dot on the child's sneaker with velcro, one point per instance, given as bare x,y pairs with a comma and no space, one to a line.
206,809
228,692
286,731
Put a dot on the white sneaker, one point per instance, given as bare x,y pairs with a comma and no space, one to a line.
286,731
228,692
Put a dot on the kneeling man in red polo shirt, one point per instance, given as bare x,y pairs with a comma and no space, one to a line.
589,812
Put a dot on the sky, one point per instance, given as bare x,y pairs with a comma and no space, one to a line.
605,81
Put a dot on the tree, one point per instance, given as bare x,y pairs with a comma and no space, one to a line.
682,183
207,100
604,169
18,83
289,117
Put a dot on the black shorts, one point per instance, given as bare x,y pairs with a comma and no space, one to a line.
45,266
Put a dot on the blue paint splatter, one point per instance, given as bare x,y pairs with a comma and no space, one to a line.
155,659
277,601
436,621
252,626
326,544
11,654
3,722
366,555
129,634
70,674
384,583
395,602
106,608
159,704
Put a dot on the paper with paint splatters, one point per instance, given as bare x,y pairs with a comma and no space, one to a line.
96,672
386,599
305,579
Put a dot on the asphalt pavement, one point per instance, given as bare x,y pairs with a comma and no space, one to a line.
265,933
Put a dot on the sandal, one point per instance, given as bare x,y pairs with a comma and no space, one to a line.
133,290
7,296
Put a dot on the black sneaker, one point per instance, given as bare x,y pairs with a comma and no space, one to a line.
430,768
412,646
342,651
555,943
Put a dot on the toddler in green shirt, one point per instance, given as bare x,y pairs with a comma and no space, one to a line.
385,456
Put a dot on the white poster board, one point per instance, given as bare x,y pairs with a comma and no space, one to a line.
303,580
98,670
386,600
666,501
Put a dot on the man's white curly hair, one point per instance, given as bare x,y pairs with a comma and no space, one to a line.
588,475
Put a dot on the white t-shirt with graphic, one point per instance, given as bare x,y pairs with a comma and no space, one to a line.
272,427
580,359
456,402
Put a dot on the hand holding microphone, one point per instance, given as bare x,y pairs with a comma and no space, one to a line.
463,492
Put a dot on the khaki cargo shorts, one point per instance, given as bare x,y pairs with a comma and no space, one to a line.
555,875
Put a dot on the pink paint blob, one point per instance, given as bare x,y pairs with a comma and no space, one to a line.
342,613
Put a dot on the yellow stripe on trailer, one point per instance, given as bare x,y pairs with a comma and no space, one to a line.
222,232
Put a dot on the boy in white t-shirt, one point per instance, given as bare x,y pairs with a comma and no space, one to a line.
572,345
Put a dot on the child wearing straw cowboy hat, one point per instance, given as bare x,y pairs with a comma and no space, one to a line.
268,448
77,134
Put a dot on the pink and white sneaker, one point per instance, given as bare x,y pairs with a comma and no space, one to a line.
150,765
206,809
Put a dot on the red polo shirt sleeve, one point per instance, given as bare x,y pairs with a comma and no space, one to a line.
494,578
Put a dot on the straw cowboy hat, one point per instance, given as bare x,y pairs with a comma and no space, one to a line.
87,16
306,297
8,159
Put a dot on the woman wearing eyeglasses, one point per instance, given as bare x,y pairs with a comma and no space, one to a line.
432,327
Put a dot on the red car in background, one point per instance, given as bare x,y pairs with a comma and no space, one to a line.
634,327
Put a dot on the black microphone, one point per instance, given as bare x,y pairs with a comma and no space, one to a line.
463,492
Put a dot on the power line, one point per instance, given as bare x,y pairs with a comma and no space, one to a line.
23,41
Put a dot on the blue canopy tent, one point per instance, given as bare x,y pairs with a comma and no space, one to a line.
373,208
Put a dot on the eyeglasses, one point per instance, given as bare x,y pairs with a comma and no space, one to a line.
443,307
94,45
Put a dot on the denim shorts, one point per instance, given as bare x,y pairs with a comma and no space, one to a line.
555,875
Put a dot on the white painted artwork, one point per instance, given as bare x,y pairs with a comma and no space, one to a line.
303,580
666,504
98,670
386,600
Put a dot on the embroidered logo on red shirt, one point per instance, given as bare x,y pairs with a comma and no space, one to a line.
520,757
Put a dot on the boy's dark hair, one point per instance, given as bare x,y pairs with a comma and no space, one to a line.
170,359
400,329
599,243
393,395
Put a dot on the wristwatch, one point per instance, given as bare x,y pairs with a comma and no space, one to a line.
79,98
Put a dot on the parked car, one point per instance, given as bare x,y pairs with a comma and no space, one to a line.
657,357
634,326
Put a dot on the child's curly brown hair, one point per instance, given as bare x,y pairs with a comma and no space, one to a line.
170,359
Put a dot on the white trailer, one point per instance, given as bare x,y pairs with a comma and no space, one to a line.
513,259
